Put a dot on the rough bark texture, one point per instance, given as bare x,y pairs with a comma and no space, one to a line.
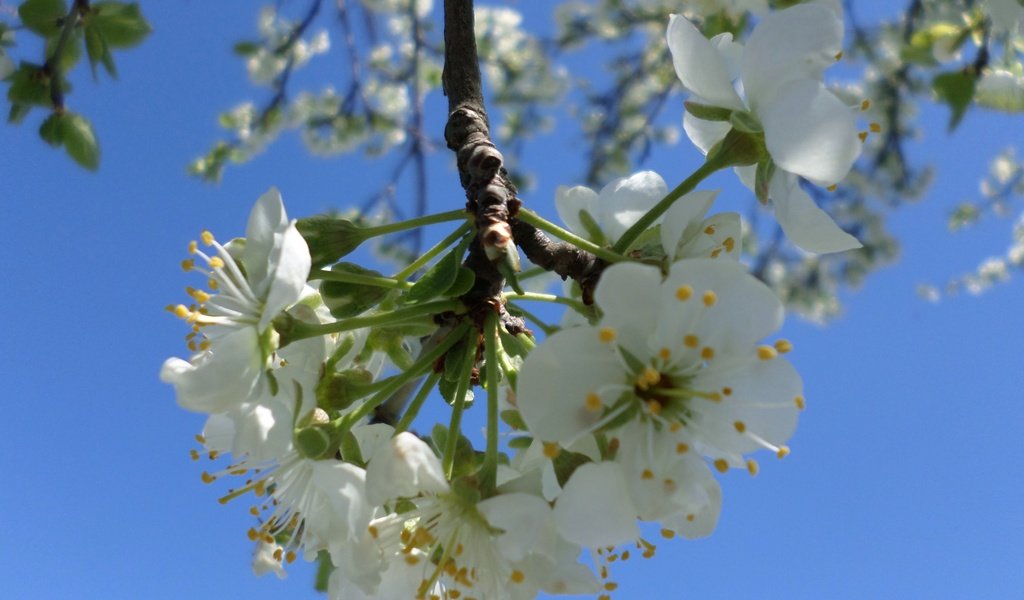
490,195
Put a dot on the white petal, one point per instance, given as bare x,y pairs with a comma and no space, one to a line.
522,519
219,378
700,501
557,377
729,309
699,66
287,272
704,134
723,227
570,201
405,467
796,43
266,220
343,485
594,509
623,287
623,201
806,225
263,431
684,217
810,132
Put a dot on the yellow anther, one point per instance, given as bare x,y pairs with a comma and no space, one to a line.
668,534
289,557
252,534
214,454
207,237
654,406
766,352
212,284
783,346
593,402
783,452
727,391
611,586
874,127
199,438
710,298
721,465
691,341
665,354
716,253
412,559
863,135
194,454
707,353
517,576
254,511
207,478
551,450
710,230
800,402
625,555
205,345
647,474
669,484
187,265
651,375
193,247
752,467
682,448
865,104
839,55
833,187
690,517
729,244
684,292
216,263
606,334
740,426
199,295
675,426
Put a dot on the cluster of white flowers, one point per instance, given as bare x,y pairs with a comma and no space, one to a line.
618,420
278,50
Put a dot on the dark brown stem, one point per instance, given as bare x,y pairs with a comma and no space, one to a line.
561,257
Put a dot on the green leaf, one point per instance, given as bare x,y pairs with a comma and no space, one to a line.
52,130
246,48
122,25
463,283
17,113
566,463
957,90
438,278
708,112
346,300
513,419
520,443
43,16
80,141
29,85
98,51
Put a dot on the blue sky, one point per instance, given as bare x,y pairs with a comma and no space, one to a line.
904,479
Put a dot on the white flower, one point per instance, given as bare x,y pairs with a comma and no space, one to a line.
268,557
234,320
808,131
622,202
673,367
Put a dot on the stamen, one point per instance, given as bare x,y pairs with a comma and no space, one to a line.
783,452
707,353
766,352
800,402
683,292
783,346
752,467
593,402
606,334
710,298
551,450
691,341
207,237
721,465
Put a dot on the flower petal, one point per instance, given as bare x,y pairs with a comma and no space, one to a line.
699,66
594,509
704,134
266,220
623,201
810,132
219,378
287,272
557,378
403,468
683,219
806,225
569,201
799,42
623,287
523,518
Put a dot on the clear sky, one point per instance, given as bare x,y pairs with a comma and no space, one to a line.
904,480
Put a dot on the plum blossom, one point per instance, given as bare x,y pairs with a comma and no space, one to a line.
672,372
808,131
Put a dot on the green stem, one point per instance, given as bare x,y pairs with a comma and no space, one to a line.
545,327
688,185
423,364
302,330
417,402
528,216
346,277
527,341
452,215
532,272
490,466
455,425
417,264
575,304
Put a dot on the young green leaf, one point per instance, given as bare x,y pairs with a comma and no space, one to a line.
29,85
438,278
43,16
957,90
122,25
80,141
